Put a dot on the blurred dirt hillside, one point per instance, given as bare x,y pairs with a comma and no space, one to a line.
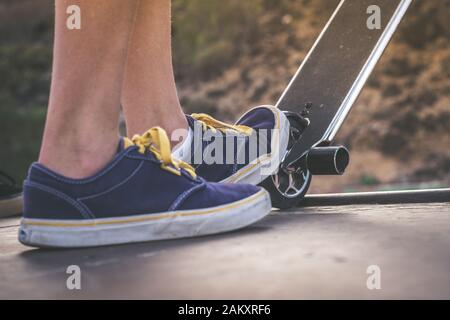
230,55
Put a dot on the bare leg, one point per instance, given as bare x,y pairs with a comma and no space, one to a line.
149,95
81,132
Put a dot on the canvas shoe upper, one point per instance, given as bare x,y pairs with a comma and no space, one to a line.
246,152
142,194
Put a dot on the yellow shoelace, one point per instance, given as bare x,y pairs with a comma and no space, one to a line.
158,143
209,122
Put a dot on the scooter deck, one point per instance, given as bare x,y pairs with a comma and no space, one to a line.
334,71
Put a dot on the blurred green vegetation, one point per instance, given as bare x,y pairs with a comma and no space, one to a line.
21,131
368,180
25,75
208,36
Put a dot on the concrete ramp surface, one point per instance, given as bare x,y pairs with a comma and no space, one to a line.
306,253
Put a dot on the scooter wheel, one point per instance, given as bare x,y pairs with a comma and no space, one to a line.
287,189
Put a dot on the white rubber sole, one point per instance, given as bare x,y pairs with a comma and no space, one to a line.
140,228
266,165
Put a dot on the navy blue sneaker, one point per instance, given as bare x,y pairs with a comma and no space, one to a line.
142,194
246,152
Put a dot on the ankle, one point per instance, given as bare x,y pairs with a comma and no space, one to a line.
78,160
176,126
